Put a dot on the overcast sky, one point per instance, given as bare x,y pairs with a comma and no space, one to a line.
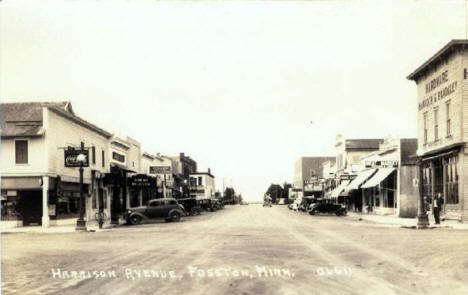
234,85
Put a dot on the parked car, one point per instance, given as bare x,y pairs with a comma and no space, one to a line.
167,208
328,208
190,205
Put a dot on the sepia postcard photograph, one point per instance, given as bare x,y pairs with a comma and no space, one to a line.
156,147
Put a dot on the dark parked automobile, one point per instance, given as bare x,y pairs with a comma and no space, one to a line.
167,208
327,208
191,206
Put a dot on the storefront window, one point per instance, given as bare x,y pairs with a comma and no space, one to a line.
451,180
134,198
10,208
68,205
427,180
145,196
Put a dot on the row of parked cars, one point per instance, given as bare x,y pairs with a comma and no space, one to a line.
171,209
319,206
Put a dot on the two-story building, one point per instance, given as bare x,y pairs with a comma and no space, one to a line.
390,189
348,165
307,171
160,167
124,155
182,167
36,186
202,185
442,112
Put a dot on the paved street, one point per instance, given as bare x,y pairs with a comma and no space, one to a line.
239,250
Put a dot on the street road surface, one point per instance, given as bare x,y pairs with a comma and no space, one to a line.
239,250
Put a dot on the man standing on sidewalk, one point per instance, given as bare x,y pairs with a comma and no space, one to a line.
436,206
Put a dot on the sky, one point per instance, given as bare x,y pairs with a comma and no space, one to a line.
243,87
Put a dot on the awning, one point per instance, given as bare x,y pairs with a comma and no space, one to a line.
363,176
337,191
122,167
378,177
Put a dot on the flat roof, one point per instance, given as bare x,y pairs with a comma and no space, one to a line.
447,49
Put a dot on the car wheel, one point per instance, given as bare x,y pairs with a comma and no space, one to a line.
175,216
313,212
135,220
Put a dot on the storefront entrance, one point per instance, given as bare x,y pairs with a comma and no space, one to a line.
30,207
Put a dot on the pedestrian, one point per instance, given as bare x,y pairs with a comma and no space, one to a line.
437,206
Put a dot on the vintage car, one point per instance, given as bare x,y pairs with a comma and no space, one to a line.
327,208
167,208
190,205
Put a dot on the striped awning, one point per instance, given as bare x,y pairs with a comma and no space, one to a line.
360,179
378,177
338,190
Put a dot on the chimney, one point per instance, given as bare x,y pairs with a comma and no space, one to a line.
209,171
182,155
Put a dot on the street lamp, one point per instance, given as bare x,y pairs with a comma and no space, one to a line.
81,223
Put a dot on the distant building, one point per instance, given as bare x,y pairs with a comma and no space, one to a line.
348,162
442,127
202,185
307,170
182,167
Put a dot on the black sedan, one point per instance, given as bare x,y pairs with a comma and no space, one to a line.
327,208
167,208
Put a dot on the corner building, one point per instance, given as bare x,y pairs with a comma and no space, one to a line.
442,98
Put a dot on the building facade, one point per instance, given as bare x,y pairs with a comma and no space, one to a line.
442,104
37,188
390,188
307,171
202,185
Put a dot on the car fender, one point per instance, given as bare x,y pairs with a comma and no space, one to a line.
143,217
176,210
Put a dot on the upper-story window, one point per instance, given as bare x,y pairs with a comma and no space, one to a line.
103,159
200,182
93,154
21,151
425,128
447,108
436,124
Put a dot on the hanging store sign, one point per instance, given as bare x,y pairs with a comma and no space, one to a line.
72,159
141,180
380,163
160,169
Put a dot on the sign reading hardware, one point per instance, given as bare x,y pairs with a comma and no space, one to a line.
71,158
160,170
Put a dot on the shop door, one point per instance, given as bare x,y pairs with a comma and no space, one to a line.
31,207
438,177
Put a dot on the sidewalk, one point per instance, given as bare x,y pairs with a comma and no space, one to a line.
91,226
405,222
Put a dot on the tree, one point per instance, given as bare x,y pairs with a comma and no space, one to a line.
229,195
275,191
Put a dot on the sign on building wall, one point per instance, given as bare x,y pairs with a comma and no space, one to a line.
160,170
379,163
118,157
141,180
71,158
